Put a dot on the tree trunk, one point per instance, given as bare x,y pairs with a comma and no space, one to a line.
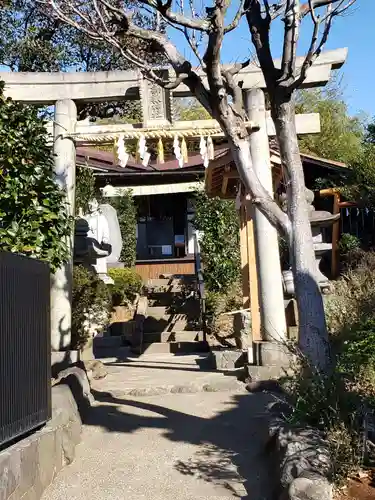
313,337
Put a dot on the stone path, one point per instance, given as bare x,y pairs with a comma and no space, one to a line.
169,445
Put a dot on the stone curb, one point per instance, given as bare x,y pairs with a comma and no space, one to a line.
304,462
29,466
232,385
302,455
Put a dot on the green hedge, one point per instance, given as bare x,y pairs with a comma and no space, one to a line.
33,216
127,217
218,222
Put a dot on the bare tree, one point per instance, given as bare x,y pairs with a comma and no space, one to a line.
114,22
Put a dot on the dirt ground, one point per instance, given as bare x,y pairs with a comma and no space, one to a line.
359,489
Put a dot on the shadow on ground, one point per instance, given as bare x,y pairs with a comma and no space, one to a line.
203,362
232,444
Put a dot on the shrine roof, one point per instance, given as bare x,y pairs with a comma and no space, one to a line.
221,177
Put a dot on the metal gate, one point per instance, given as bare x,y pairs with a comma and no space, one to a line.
25,352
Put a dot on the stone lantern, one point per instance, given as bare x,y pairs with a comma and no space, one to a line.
319,219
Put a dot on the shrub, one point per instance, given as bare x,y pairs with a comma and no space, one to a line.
353,299
331,404
85,188
358,346
218,324
91,304
218,222
339,403
127,217
127,284
348,243
33,216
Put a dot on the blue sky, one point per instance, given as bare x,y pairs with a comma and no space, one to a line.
355,30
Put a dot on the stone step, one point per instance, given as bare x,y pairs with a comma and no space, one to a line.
112,352
161,282
158,312
174,336
123,328
112,341
182,336
185,311
182,281
175,347
172,288
167,298
152,325
186,278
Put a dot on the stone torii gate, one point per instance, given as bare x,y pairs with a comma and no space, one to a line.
63,90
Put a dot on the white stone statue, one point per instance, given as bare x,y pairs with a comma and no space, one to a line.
114,232
99,231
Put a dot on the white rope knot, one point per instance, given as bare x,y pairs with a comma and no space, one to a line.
122,155
203,150
177,151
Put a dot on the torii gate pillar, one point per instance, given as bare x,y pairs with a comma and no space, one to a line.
270,291
65,172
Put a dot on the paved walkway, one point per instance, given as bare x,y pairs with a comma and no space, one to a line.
169,445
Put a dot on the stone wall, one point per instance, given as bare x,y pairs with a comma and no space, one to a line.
28,467
299,456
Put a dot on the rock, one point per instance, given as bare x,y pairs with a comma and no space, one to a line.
95,369
78,383
302,455
242,329
310,487
224,360
264,386
303,451
66,409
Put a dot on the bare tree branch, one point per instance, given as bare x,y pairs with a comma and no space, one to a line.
259,29
333,8
336,4
277,9
237,18
222,97
212,55
191,42
235,91
175,18
236,68
291,34
179,80
123,26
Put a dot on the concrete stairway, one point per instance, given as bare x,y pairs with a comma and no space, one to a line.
173,322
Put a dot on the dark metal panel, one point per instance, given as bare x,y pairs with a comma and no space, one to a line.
25,350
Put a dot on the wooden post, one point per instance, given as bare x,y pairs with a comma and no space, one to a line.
335,228
252,274
244,259
335,236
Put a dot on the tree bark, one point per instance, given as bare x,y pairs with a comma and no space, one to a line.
313,336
